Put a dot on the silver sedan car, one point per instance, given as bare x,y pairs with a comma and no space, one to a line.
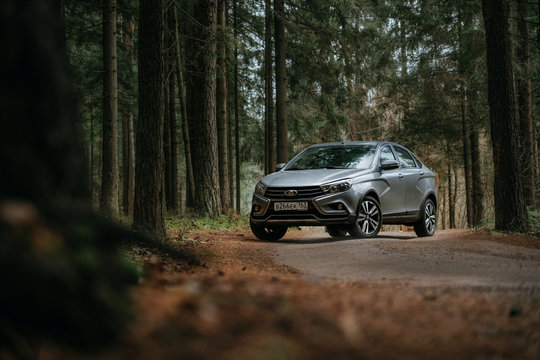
349,187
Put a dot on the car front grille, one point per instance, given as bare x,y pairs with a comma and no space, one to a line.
307,192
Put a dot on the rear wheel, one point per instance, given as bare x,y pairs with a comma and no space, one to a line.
425,226
336,231
369,221
268,232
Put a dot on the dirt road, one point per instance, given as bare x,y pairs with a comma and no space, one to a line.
457,295
450,258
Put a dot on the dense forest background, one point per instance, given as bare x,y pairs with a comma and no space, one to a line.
185,104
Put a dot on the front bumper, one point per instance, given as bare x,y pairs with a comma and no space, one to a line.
321,211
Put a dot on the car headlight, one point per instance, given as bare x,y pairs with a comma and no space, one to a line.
336,187
260,188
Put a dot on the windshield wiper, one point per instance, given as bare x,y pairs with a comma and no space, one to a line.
335,167
295,168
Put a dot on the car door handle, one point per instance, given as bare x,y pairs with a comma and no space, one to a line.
400,175
421,173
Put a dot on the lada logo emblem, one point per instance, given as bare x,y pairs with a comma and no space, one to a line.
291,192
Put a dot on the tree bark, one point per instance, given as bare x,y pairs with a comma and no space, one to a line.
128,150
281,82
167,166
202,109
476,177
451,203
109,180
466,157
173,202
270,158
148,212
221,111
510,210
40,157
525,107
190,180
236,110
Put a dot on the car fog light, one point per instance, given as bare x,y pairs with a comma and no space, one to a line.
256,208
340,206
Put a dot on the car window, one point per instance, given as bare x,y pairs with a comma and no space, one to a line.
387,154
333,157
418,162
405,158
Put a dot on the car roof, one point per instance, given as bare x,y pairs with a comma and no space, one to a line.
353,143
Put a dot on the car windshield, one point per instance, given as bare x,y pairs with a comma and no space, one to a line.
334,157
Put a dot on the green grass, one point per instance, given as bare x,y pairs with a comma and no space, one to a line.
190,222
534,224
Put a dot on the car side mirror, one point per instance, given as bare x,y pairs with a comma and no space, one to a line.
389,164
280,166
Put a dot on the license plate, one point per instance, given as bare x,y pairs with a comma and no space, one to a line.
296,206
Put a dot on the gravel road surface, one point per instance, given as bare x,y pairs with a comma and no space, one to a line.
450,258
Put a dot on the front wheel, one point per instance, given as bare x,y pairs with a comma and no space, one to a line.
425,226
268,232
369,221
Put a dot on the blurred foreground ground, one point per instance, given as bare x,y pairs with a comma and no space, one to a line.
456,295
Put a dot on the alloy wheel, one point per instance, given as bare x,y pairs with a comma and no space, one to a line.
369,217
430,218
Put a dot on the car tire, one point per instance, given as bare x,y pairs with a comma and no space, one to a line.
336,231
369,220
268,232
426,225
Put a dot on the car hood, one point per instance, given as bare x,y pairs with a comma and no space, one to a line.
310,177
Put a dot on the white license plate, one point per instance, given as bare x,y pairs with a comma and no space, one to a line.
296,206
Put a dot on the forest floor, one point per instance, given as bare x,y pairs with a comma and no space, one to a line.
243,302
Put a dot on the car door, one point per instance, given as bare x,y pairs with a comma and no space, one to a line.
411,175
393,193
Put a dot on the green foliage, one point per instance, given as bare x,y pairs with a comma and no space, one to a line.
534,222
63,277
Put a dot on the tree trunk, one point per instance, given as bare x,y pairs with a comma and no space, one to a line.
476,177
167,166
173,202
221,111
230,141
466,156
525,107
190,180
281,82
451,203
270,158
148,212
40,158
109,181
201,112
510,210
236,109
128,160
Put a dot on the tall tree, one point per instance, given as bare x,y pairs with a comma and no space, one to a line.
172,200
148,212
128,143
190,180
476,177
236,109
510,210
201,110
270,158
221,110
525,107
109,175
281,82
